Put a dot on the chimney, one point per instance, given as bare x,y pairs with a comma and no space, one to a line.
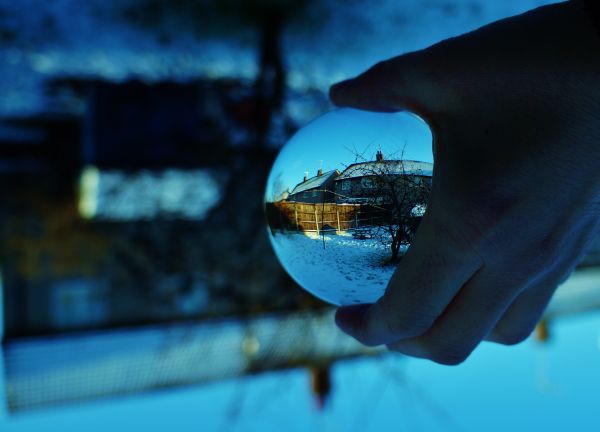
379,156
320,172
305,176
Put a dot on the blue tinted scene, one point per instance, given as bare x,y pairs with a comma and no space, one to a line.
340,231
139,289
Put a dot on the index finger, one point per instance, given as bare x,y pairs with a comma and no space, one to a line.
407,82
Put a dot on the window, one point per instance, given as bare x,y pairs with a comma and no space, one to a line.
367,182
345,185
314,193
305,194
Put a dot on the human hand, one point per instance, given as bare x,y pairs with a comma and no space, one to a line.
515,112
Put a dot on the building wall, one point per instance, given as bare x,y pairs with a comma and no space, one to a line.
323,193
358,187
313,196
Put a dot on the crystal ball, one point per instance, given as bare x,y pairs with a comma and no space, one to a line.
344,199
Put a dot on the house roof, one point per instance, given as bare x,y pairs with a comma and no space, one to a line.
314,182
406,167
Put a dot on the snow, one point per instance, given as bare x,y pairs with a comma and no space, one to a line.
387,167
339,269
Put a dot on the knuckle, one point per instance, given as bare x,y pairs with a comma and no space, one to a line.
393,325
455,240
538,252
405,324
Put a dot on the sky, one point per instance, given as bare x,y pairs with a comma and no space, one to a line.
336,139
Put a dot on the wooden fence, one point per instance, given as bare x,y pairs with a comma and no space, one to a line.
325,217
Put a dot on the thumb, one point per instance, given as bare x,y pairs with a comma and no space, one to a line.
401,83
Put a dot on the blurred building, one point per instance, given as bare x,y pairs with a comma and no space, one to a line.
144,213
144,209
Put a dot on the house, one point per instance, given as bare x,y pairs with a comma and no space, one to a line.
317,189
358,183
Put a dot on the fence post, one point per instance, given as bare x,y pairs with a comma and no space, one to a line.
356,220
296,216
337,213
280,213
316,219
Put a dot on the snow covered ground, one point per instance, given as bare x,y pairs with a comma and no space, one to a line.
336,268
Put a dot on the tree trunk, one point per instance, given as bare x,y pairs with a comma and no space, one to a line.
395,248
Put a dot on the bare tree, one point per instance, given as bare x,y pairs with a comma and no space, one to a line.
394,194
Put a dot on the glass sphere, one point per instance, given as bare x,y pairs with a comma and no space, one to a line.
344,198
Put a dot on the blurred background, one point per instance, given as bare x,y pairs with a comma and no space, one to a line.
139,291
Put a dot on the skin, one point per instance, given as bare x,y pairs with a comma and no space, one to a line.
515,113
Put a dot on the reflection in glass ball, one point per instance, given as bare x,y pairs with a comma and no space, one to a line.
344,199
